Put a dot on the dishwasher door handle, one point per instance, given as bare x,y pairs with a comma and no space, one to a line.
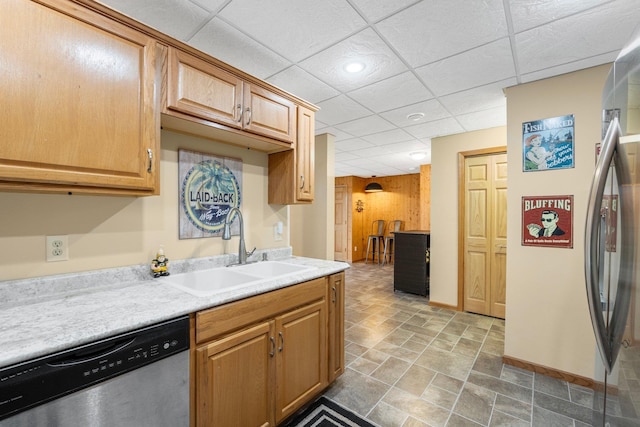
78,361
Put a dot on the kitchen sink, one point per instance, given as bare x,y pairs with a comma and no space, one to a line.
270,269
221,279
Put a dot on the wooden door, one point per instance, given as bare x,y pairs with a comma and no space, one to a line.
485,233
234,379
340,224
301,363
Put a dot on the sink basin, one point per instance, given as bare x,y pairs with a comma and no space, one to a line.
208,282
214,280
270,269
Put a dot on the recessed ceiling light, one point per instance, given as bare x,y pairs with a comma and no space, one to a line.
354,67
418,155
415,116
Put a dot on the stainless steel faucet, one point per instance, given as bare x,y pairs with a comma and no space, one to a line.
226,235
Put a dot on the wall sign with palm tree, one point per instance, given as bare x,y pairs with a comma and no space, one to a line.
210,186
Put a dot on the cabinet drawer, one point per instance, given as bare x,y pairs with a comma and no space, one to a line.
227,318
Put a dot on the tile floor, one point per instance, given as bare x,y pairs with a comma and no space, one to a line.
409,365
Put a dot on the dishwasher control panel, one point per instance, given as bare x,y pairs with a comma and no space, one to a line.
31,383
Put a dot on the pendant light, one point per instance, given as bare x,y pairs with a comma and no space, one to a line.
373,187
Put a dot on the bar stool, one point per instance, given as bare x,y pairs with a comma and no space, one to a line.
388,239
376,236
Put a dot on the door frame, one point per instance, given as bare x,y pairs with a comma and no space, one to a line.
462,155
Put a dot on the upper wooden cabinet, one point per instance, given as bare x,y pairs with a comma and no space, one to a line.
79,110
203,92
291,173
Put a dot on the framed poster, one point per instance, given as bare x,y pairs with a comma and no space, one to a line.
547,221
209,186
548,144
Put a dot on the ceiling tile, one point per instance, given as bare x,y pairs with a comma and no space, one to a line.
529,14
337,134
473,68
388,137
227,44
366,47
391,93
353,144
485,119
365,126
568,68
340,109
302,84
177,18
433,30
542,47
376,9
294,29
477,99
431,109
436,128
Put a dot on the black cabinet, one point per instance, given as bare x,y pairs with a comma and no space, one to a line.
411,262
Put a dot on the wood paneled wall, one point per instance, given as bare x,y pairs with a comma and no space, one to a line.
405,197
425,197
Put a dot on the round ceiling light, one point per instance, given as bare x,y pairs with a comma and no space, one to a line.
415,116
354,67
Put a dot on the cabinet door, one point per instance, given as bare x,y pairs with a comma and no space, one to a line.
305,154
79,104
233,379
301,357
336,326
291,173
199,88
268,114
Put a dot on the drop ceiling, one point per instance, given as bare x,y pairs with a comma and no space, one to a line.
446,59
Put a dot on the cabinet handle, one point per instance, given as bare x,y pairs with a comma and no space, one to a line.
273,346
281,342
301,181
248,110
239,108
150,153
335,294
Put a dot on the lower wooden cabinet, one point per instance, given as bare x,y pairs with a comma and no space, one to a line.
336,325
260,359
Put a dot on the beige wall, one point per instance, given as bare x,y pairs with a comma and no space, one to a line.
312,225
444,207
547,314
107,232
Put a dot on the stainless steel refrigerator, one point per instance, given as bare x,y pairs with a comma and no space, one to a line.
612,246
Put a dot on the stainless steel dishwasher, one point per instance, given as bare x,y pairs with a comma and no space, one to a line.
139,378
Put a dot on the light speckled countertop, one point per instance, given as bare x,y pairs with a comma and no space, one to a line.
46,315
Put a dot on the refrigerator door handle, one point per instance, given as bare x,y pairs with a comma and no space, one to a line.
593,242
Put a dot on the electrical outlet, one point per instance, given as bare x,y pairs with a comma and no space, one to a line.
57,248
355,249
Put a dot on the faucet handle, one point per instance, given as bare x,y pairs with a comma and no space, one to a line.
251,253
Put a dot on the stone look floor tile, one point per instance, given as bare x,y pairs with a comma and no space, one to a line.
412,365
475,403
